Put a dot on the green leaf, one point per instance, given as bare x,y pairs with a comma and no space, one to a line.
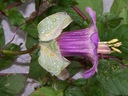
67,2
74,67
15,17
124,14
118,6
5,63
80,82
7,59
36,71
30,42
31,29
12,85
94,88
2,38
11,47
23,1
95,5
77,20
109,20
121,33
102,31
112,77
107,24
74,91
108,81
9,2
62,85
3,6
47,91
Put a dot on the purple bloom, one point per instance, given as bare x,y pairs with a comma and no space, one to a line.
83,42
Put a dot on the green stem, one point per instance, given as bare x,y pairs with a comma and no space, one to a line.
14,5
11,6
20,52
79,12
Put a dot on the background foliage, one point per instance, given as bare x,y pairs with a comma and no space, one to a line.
111,79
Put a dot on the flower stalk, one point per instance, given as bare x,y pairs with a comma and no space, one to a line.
4,51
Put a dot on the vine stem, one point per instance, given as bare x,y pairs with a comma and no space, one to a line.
15,52
79,12
4,74
116,59
11,39
1,12
11,6
20,52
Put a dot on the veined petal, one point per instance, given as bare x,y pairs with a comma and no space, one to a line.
92,14
95,40
82,42
52,26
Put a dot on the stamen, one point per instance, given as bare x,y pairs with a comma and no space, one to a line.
103,48
112,41
116,50
117,44
108,47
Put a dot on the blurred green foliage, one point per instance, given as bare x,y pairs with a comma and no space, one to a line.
111,79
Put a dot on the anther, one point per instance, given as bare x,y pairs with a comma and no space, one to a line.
116,50
112,41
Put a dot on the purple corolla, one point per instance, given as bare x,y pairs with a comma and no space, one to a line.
54,45
83,42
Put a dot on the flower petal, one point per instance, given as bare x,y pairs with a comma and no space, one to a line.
52,26
50,58
83,42
92,14
95,40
